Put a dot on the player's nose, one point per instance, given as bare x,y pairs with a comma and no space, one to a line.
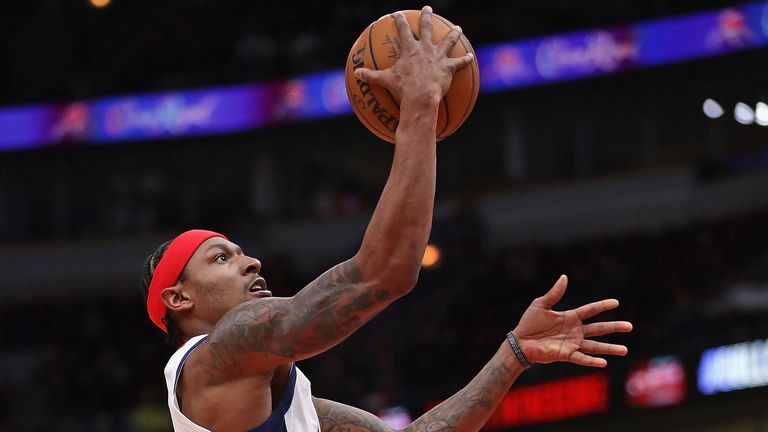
250,265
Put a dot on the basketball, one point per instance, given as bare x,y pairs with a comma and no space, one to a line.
378,47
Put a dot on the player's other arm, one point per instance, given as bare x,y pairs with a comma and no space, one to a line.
465,411
257,336
544,335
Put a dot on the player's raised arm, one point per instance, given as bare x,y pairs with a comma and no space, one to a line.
257,336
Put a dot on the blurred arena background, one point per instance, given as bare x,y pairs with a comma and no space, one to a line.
621,143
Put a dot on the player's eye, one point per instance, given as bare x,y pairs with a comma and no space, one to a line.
220,258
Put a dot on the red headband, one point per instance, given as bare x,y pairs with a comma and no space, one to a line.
169,269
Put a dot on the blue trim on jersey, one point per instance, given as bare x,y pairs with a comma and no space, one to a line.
184,360
276,420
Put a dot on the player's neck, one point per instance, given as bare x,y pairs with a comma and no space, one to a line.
194,327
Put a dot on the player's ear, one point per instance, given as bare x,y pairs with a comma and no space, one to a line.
175,299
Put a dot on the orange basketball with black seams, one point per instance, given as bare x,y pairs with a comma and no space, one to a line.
378,47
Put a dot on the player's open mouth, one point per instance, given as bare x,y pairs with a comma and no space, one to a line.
259,288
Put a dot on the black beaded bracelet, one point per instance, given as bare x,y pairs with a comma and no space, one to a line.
518,352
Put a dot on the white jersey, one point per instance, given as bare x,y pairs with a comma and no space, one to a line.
294,413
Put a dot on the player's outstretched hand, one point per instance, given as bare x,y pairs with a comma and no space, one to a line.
424,70
547,336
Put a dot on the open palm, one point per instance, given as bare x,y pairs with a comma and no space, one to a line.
547,336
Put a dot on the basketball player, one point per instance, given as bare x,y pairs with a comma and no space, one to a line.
234,370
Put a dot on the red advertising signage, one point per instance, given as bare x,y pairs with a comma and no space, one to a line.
551,401
659,381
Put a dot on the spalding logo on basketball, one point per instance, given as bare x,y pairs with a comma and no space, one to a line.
379,48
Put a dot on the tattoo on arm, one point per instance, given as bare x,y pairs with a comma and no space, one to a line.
465,411
470,407
337,417
267,332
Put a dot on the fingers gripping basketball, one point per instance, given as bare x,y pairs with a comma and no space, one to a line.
378,48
